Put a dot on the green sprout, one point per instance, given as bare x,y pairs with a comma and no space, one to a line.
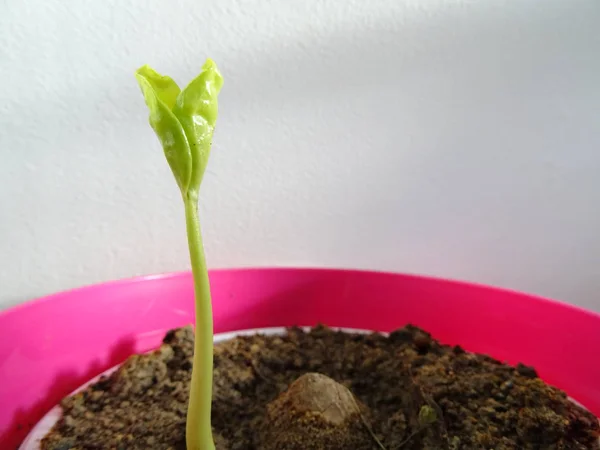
184,121
427,415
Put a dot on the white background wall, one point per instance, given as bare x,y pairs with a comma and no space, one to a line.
453,138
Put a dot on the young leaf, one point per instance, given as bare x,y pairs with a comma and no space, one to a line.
197,109
160,94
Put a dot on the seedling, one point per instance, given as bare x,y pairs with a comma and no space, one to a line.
184,121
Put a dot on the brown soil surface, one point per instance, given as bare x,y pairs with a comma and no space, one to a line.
409,391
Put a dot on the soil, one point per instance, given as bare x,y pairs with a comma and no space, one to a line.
325,389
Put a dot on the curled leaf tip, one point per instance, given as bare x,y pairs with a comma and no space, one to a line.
209,65
163,86
214,75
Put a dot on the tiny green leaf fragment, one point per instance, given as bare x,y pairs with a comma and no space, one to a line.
427,415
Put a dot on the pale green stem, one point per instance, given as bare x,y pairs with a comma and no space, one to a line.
198,427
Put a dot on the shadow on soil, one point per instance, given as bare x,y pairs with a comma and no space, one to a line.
63,384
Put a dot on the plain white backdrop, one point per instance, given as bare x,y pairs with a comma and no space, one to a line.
452,138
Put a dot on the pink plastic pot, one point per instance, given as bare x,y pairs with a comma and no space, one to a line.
51,346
